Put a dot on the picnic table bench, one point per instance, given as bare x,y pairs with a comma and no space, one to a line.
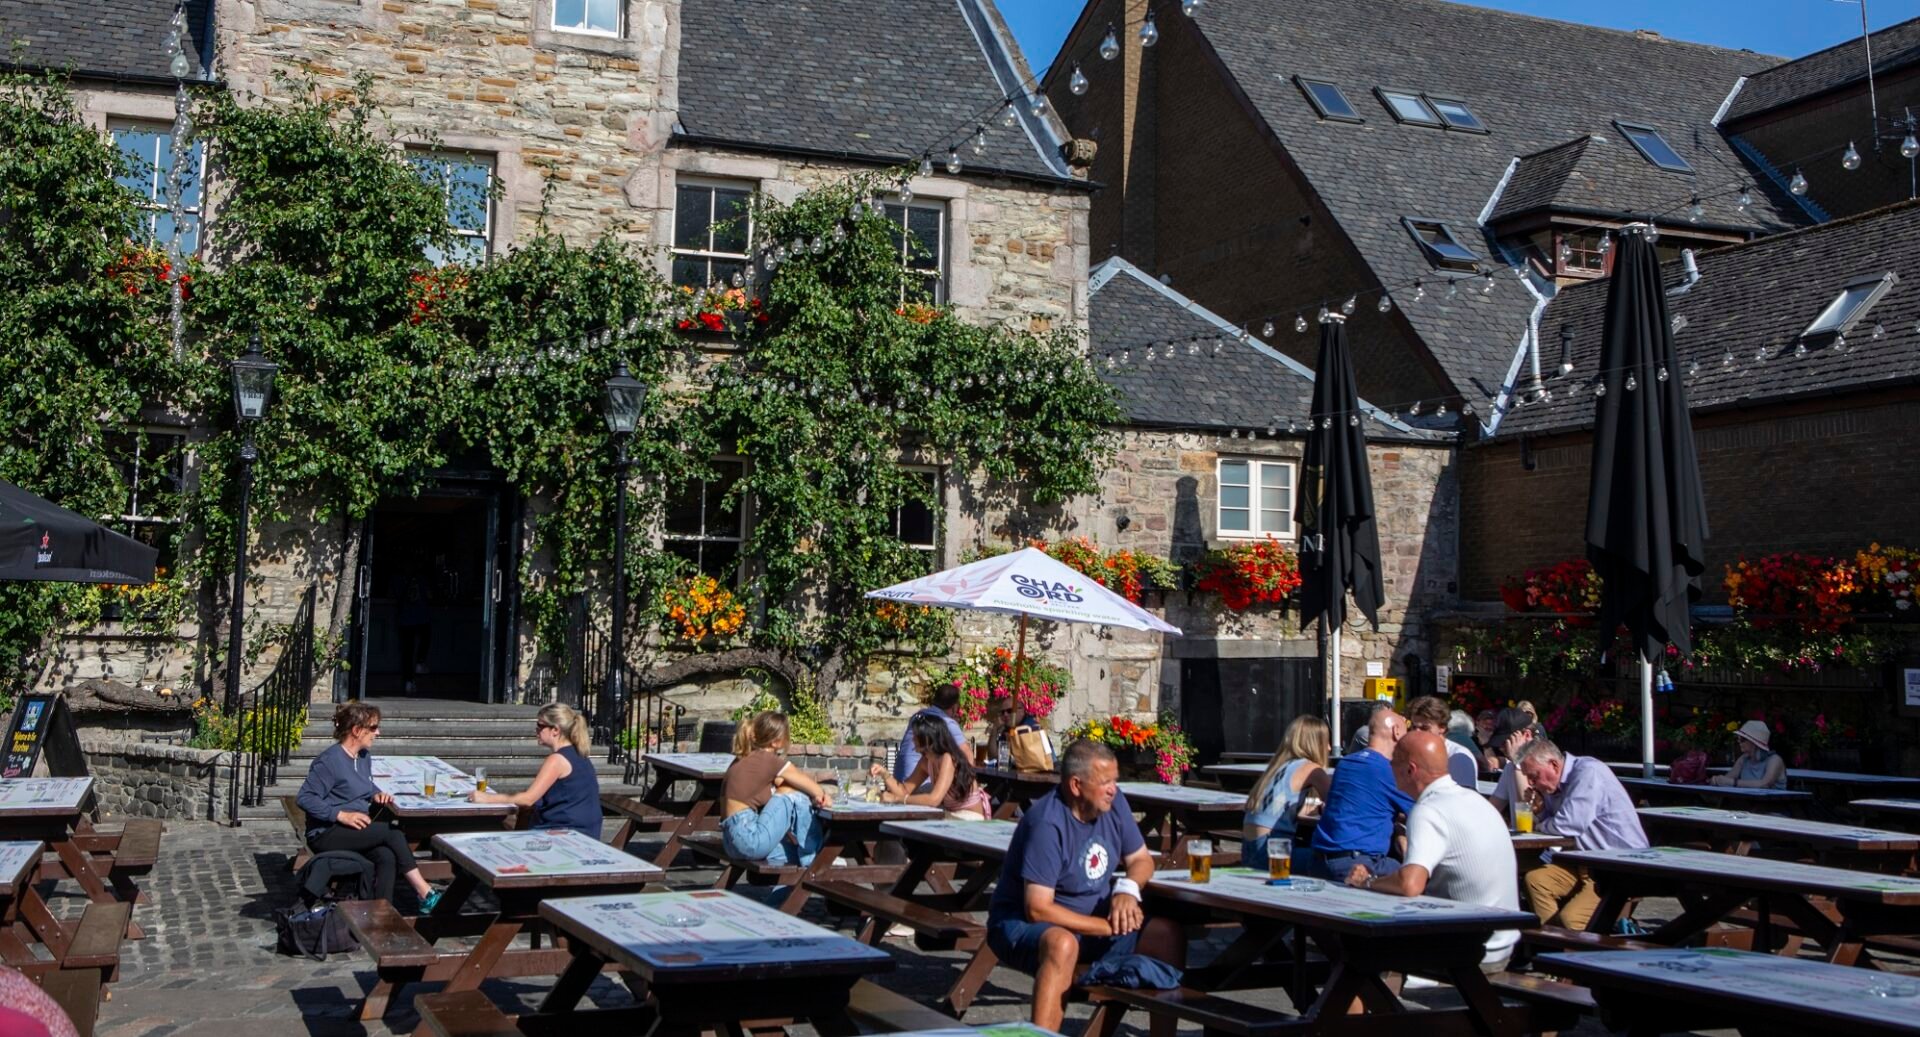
978,845
1014,789
852,831
102,863
1660,791
521,869
83,956
699,812
1235,777
1668,990
1712,887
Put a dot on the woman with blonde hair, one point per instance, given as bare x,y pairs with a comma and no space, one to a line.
766,803
565,792
1274,804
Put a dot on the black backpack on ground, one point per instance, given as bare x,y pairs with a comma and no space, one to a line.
316,927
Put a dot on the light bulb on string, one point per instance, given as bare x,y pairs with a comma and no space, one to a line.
1798,185
1760,355
1910,146
1322,316
1414,411
1599,388
1292,427
980,141
1385,303
1272,431
1191,7
1453,289
1419,291
1663,373
906,193
1746,199
1077,83
1800,349
1850,159
1606,243
1566,253
1037,105
1879,332
1693,368
1440,411
1352,303
1299,324
1149,32
1487,288
1353,420
1235,434
926,165
1110,44
1696,211
1193,349
1008,117
1266,330
953,161
1839,343
1727,361
1467,409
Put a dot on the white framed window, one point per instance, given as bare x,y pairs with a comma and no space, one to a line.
148,149
920,233
1256,498
465,179
706,524
712,232
153,467
593,17
916,523
1856,297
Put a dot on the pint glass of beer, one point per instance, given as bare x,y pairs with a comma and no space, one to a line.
1200,859
480,779
427,786
1279,858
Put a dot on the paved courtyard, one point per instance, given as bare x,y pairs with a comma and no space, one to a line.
208,968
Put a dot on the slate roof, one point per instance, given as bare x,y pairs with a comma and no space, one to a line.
99,38
1757,293
1843,64
884,80
1599,176
1245,384
1535,83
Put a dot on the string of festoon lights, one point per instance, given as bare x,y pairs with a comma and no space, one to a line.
1442,287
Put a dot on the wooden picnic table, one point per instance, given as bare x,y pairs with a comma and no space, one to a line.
1660,791
699,812
853,831
1737,832
22,912
1015,789
57,811
1807,777
707,959
1364,935
1669,991
420,819
1903,809
1171,814
1235,777
1238,757
980,845
1712,886
521,869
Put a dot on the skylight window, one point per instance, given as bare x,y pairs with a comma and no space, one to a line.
1328,100
1856,297
1456,114
1653,146
1439,242
1407,106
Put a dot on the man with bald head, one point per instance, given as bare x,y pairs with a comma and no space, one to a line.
1356,825
1457,844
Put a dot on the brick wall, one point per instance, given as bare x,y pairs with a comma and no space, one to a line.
1827,477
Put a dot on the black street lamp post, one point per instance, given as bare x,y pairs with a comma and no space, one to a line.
252,390
625,396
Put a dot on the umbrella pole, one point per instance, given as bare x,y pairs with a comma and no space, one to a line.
1333,669
1646,718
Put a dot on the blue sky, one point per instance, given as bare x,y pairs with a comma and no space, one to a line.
1786,27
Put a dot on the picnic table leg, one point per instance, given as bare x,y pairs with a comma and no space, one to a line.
687,826
1843,946
458,893
972,978
79,866
573,983
1695,917
831,847
40,921
480,961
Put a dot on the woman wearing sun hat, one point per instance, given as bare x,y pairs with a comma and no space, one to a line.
1757,767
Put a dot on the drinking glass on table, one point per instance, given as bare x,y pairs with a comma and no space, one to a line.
427,786
1280,858
1523,819
1200,859
480,779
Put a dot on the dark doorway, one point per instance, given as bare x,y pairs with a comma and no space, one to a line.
1244,705
429,620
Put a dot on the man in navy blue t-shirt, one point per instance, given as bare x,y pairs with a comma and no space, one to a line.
1069,889
1356,825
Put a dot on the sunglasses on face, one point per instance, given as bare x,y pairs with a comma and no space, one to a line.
372,729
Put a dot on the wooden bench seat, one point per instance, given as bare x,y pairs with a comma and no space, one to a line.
386,935
1743,921
465,1013
933,929
883,1011
1558,938
636,815
762,872
96,939
139,845
1541,990
77,992
1216,1015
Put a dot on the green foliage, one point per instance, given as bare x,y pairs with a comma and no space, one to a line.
807,722
213,729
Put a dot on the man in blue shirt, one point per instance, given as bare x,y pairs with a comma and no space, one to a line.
946,698
1069,888
1356,825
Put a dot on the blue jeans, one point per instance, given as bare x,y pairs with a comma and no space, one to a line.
1336,866
752,835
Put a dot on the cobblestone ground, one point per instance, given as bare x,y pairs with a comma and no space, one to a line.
208,968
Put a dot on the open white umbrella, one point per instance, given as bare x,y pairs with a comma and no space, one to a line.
1027,582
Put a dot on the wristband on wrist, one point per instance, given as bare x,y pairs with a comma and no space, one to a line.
1127,886
1369,883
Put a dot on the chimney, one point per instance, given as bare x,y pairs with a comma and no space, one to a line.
1647,34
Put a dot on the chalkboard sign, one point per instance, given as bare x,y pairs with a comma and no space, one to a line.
43,722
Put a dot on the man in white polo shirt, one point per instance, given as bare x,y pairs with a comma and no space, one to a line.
1457,846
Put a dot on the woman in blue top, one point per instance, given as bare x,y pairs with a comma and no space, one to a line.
565,792
339,795
1274,804
1757,767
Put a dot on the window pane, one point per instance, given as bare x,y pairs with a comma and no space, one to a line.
923,226
916,523
141,148
925,289
1409,108
1234,520
730,215
569,14
688,549
467,249
683,510
604,16
1272,498
1233,472
467,189
1457,114
1332,101
691,217
1235,496
720,559
723,271
896,223
690,271
1655,148
723,516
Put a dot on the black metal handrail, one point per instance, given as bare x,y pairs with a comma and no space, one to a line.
580,681
268,719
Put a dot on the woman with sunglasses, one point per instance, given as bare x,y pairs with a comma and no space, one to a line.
339,796
566,791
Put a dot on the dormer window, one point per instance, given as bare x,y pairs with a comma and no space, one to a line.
1441,245
1408,106
1328,100
1653,146
1856,297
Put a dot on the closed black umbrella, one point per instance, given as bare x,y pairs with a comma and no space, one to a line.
40,540
1646,513
1339,543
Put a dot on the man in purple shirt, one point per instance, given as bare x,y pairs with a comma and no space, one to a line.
1578,797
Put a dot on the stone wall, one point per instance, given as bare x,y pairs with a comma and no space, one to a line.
135,779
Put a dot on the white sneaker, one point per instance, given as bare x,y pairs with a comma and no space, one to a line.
1419,983
900,930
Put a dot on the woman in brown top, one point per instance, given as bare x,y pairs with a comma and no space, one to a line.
943,769
767,803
